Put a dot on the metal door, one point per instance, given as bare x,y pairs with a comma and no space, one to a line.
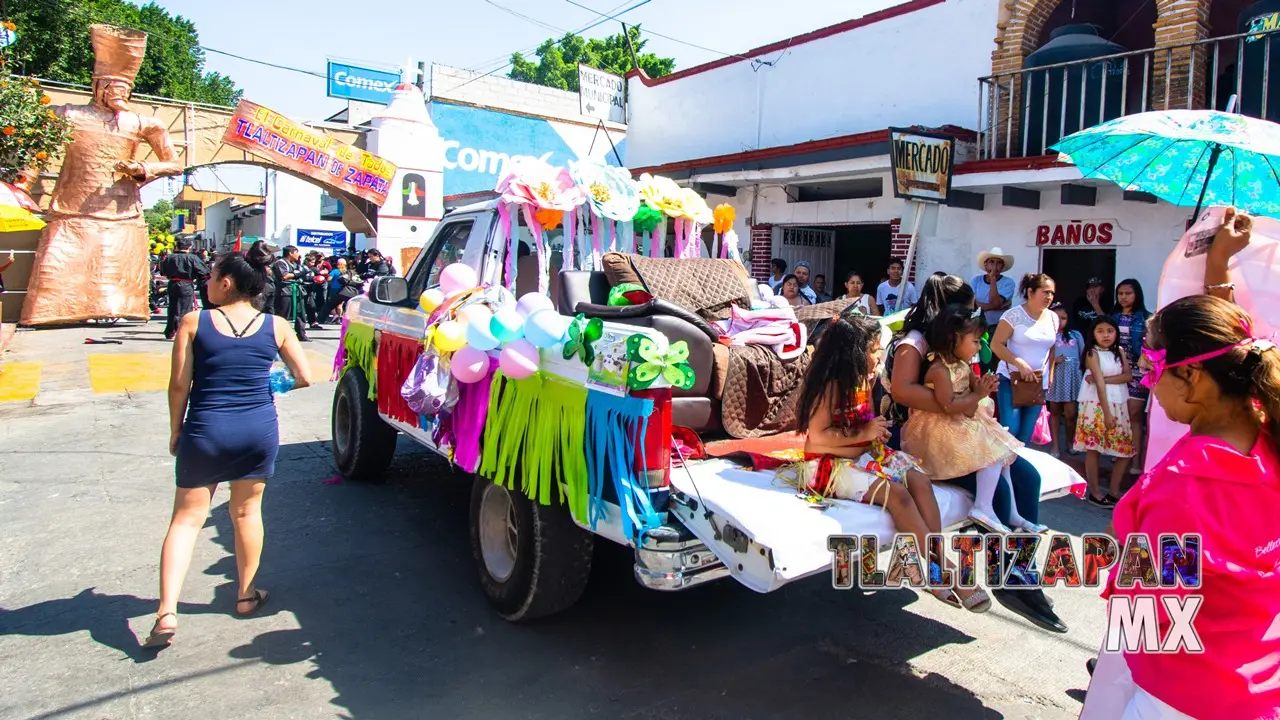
816,245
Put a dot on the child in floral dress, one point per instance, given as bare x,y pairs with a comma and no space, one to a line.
1103,426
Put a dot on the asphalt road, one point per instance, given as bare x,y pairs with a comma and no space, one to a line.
376,611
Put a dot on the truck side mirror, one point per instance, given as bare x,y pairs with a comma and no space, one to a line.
389,290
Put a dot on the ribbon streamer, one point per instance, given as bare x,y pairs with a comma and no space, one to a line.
566,251
540,242
504,221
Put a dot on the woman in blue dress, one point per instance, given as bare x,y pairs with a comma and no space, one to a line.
223,425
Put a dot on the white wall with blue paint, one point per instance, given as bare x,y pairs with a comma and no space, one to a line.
486,122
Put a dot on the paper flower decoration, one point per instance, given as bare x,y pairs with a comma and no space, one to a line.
582,337
723,217
649,362
609,191
694,207
548,219
663,194
646,218
535,183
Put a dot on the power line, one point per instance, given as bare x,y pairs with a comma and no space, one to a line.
655,34
576,32
506,58
186,44
535,21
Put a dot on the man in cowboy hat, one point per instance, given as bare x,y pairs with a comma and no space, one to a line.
993,290
91,262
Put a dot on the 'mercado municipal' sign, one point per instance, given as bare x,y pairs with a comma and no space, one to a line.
364,84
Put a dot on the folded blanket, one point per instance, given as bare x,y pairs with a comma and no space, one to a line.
761,391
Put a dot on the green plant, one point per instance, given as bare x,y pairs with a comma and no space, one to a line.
31,133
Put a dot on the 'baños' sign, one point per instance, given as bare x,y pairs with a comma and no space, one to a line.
330,162
922,165
1082,234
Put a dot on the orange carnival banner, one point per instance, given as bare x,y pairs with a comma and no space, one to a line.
277,139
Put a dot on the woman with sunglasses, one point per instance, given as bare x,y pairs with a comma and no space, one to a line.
1220,481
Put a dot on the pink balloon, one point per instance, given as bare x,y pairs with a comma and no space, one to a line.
469,365
457,277
519,360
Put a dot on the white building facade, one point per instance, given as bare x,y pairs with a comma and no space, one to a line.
795,135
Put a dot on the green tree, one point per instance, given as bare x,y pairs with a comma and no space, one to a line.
558,60
159,217
53,43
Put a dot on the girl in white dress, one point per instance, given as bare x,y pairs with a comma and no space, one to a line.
1103,425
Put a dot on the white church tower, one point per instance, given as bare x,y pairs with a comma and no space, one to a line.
403,133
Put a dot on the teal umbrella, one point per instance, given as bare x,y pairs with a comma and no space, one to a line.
1185,157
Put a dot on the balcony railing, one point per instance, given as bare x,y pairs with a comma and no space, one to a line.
1023,113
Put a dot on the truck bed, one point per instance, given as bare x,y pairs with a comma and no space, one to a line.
767,536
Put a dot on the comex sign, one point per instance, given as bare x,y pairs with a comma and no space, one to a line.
363,84
491,162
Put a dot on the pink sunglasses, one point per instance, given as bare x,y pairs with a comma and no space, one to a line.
1158,364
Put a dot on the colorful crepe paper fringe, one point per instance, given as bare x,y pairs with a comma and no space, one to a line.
613,425
469,417
534,434
395,359
340,358
358,343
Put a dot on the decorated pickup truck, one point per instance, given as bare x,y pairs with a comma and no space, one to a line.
599,377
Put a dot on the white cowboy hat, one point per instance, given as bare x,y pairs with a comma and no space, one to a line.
995,252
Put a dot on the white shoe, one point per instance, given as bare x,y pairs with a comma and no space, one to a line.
988,523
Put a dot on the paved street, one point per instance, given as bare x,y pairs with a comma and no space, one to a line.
375,610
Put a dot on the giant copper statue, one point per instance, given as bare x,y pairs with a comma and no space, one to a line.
92,261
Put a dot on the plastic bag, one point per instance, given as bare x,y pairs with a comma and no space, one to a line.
282,381
1042,436
1255,271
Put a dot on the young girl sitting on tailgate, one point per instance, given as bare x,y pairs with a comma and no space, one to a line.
844,446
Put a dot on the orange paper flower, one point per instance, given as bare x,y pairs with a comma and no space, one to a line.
548,219
723,217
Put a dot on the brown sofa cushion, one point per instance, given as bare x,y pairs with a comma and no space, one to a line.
617,267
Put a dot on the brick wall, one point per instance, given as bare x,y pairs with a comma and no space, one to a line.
761,251
1178,22
900,244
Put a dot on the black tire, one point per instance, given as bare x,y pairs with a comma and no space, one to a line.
363,445
552,555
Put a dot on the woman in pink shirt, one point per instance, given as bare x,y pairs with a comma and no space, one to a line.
1221,480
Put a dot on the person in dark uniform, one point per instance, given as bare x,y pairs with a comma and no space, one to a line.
288,276
378,266
184,269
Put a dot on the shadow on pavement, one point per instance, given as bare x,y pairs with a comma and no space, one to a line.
105,617
382,583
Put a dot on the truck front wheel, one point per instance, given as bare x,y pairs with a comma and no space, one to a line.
533,560
363,444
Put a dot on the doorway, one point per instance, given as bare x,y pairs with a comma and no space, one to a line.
865,249
1072,269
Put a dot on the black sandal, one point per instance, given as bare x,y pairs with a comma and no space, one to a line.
259,598
159,637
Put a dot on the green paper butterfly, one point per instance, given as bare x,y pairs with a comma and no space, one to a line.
583,335
648,363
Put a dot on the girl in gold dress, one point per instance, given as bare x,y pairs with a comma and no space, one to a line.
951,445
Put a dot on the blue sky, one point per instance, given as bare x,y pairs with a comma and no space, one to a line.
472,34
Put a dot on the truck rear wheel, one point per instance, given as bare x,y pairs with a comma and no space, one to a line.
533,560
363,445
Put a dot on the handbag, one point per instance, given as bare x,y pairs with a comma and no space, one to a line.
1028,394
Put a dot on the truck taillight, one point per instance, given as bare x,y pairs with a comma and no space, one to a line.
653,451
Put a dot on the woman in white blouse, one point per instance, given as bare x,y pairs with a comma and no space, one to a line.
1024,341
853,291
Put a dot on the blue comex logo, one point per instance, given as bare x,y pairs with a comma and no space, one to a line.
364,84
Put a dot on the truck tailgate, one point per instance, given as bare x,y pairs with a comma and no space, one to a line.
768,537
